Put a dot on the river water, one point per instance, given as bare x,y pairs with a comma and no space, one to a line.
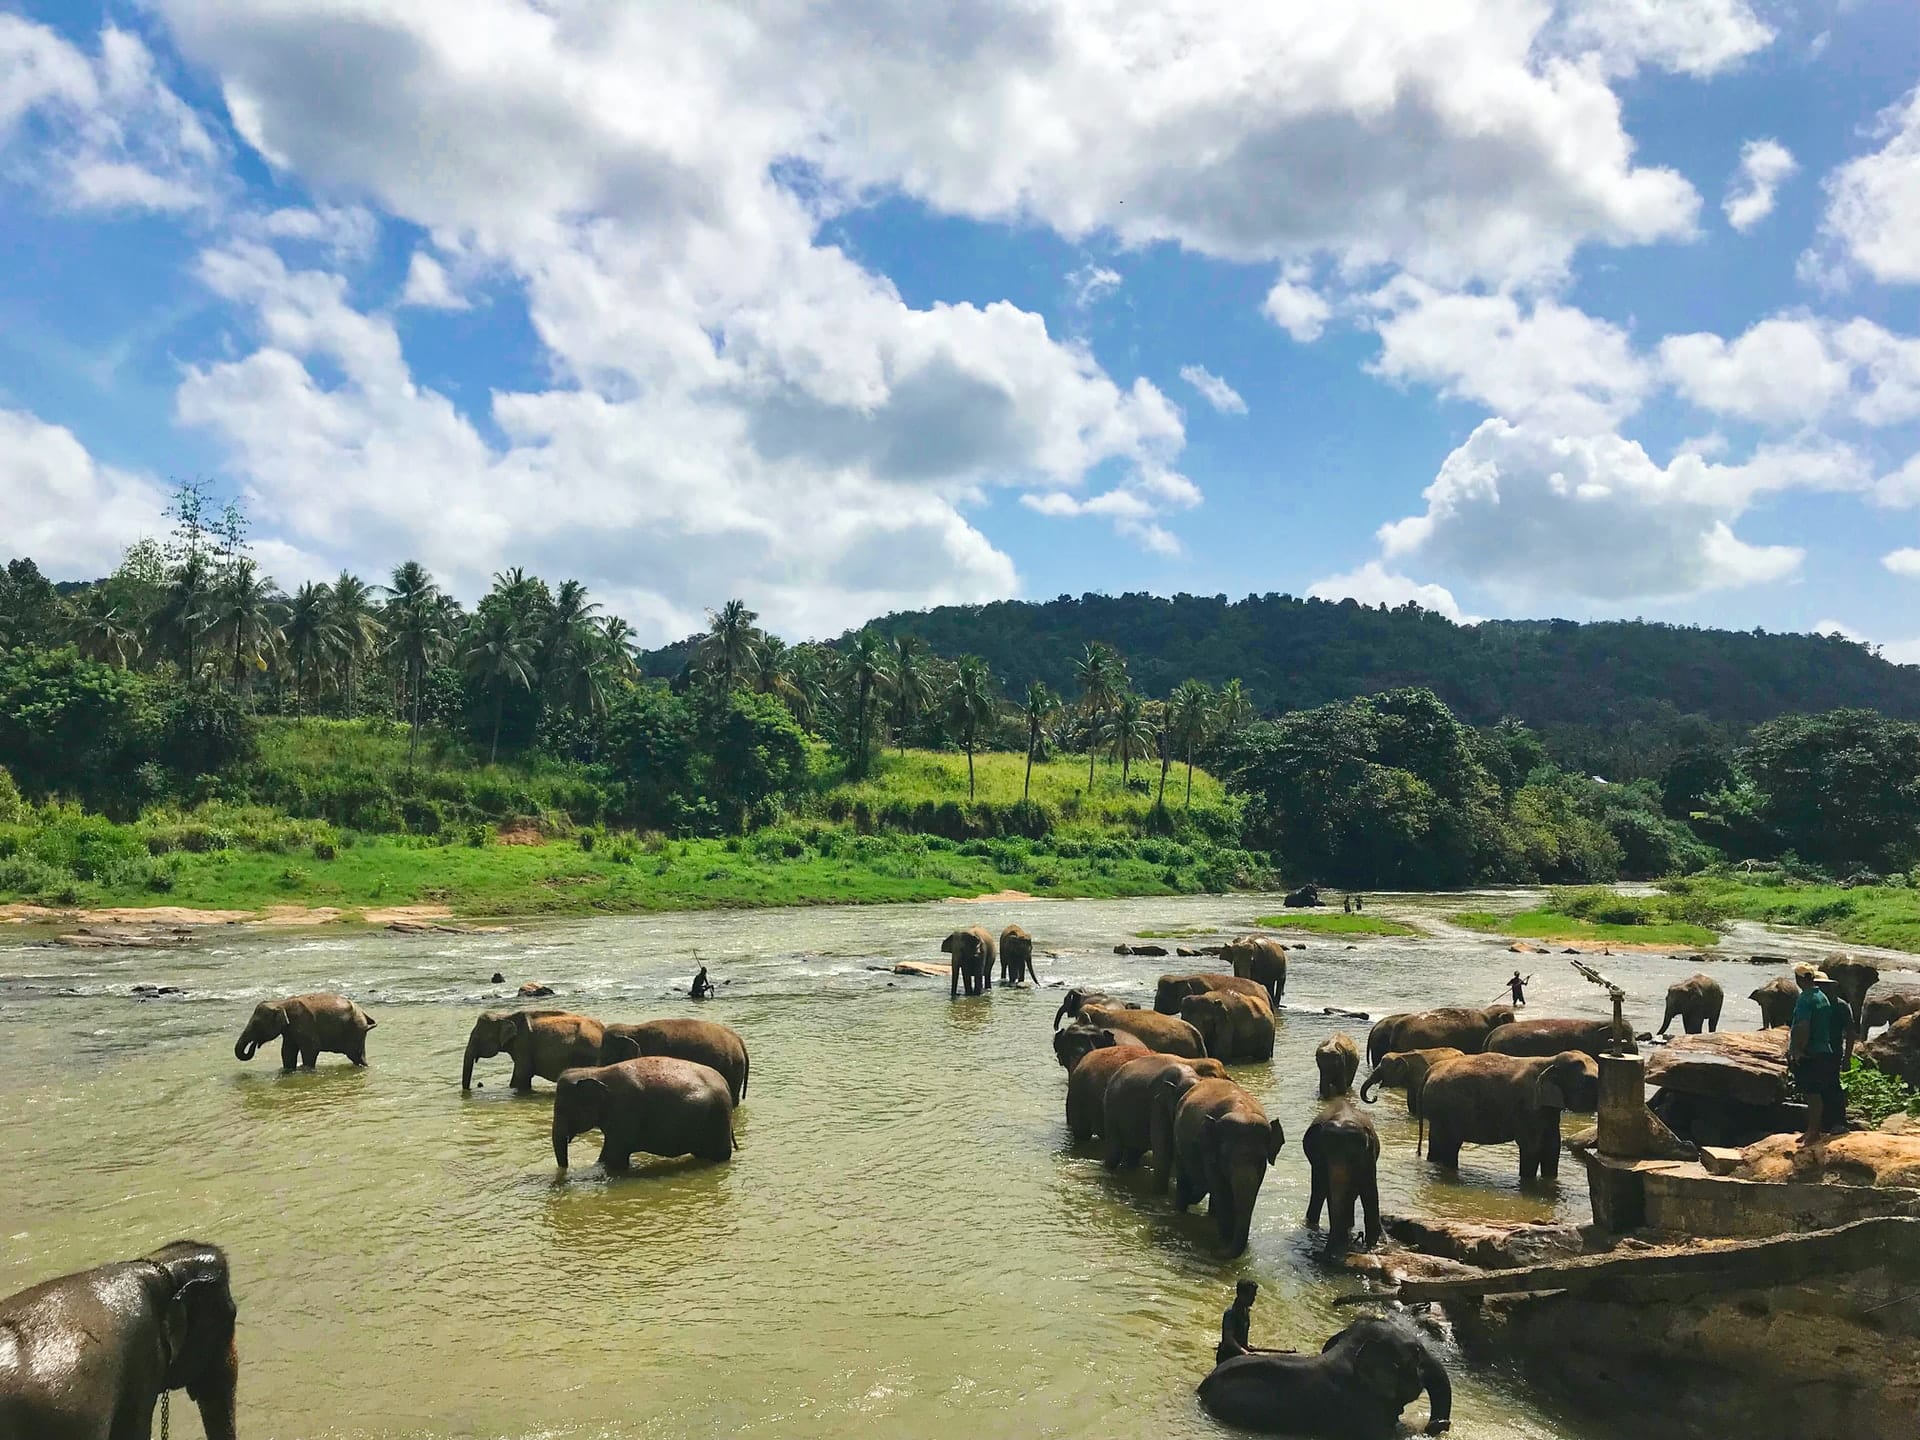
905,1245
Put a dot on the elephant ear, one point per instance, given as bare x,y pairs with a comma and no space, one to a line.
518,1026
271,1016
1549,1091
1276,1139
1310,1143
196,1311
616,1048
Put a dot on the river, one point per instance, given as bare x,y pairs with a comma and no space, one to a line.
904,1246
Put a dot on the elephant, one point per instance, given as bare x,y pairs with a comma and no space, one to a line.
1222,1146
1897,1051
657,1104
1464,1028
1696,1001
1138,1107
1407,1070
307,1024
1165,1033
541,1042
1343,1151
1776,1000
1087,1088
1016,957
1354,1389
1888,1003
1260,958
1338,1059
1233,1027
1173,989
1306,897
1077,999
1077,1041
1496,1099
87,1356
1550,1037
972,952
1853,979
705,1042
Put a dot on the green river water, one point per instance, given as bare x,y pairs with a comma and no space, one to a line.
905,1245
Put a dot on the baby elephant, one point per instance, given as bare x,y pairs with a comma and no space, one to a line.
656,1104
1338,1058
307,1024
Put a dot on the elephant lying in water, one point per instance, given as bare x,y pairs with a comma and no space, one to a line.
306,1025
87,1356
656,1104
1550,1037
1354,1389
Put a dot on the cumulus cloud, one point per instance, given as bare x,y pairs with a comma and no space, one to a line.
1091,284
1903,562
1298,309
428,287
1873,202
1764,165
1791,369
1374,584
1215,391
72,514
1688,37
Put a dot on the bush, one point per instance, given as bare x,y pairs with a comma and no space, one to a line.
12,808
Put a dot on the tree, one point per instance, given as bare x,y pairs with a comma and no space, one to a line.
731,641
1040,706
104,632
181,616
1190,718
497,653
866,673
1233,710
1100,676
1130,733
355,628
244,613
1842,788
308,633
971,705
417,633
911,684
28,605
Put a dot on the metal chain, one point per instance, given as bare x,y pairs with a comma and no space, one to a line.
166,1411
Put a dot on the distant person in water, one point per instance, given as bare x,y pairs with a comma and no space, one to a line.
1360,902
1235,1322
1517,987
1346,904
702,986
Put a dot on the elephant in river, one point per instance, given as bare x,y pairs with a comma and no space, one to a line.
705,1042
1853,979
1260,958
1343,1153
541,1042
1897,1050
1138,1108
1078,1040
657,1104
1222,1146
1087,1088
1165,1033
1173,989
1338,1059
1888,1003
972,952
1695,1002
1354,1389
87,1356
1776,1000
1233,1027
1016,957
1465,1028
1407,1070
305,1026
1077,999
1501,1099
1550,1037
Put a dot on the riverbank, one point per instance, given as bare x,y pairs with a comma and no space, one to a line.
1887,916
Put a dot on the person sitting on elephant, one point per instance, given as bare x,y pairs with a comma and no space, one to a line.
702,987
1235,1326
1354,1389
1812,1053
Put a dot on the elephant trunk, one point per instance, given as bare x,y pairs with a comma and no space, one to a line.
1433,1379
244,1048
1372,1082
214,1393
466,1069
561,1135
1061,1013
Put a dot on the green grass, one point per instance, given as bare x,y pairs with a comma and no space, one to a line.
1341,924
936,777
1550,924
1886,915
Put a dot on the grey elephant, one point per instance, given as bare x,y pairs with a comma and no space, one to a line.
1464,1028
1776,1000
656,1104
1173,989
1075,1042
1138,1108
1888,1003
972,962
1166,1033
541,1042
87,1356
1016,957
1853,979
1501,1099
705,1042
1354,1389
1550,1037
1343,1155
1087,1088
1695,1002
1407,1070
1260,958
1223,1144
306,1025
1338,1060
1233,1027
1078,998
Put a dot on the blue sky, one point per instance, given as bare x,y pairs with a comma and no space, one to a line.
1596,308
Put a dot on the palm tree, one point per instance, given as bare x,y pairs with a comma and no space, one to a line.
356,629
1233,710
971,704
1038,707
417,631
803,682
182,615
1101,677
1190,717
1130,733
568,632
912,686
498,653
308,632
244,612
103,632
866,672
730,643
622,647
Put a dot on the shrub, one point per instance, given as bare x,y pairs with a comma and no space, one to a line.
323,850
479,834
12,808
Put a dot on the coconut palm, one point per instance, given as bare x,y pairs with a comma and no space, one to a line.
1038,708
568,633
730,644
181,617
622,646
1101,677
1232,710
865,672
356,629
1130,733
970,703
245,613
911,685
497,652
417,632
104,632
803,681
1190,720
308,632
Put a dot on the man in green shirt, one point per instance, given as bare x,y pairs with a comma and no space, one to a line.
1812,1053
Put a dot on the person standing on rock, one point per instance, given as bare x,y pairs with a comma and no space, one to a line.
1812,1054
1840,1032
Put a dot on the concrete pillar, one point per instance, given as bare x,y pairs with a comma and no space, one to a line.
1623,1106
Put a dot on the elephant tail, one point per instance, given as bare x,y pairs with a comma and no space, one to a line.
746,1069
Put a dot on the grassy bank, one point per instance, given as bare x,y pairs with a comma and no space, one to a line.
1882,915
1597,915
1341,924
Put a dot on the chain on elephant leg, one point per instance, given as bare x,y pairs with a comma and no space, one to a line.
166,1412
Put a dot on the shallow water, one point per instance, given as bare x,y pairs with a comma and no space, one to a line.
905,1244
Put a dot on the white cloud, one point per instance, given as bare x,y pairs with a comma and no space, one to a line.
1780,370
1547,362
428,287
1901,652
1873,202
73,515
1374,584
1764,165
1836,627
1215,391
1298,309
1903,562
1091,284
1689,37
344,232
1530,514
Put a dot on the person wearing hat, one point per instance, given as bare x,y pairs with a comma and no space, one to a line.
1235,1326
1812,1053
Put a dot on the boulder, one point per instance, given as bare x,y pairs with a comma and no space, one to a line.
1749,1067
1489,1244
534,990
1186,952
1860,1157
1896,1050
923,968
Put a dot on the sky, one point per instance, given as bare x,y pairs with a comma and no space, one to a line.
1588,309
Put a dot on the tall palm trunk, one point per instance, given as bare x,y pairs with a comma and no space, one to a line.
1189,804
499,707
236,658
1026,790
413,730
1093,748
969,763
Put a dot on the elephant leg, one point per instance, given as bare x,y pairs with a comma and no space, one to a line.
1550,1147
616,1157
1317,1196
1115,1158
1184,1191
1370,1207
522,1081
1160,1136
309,1055
1443,1148
1713,1023
289,1053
